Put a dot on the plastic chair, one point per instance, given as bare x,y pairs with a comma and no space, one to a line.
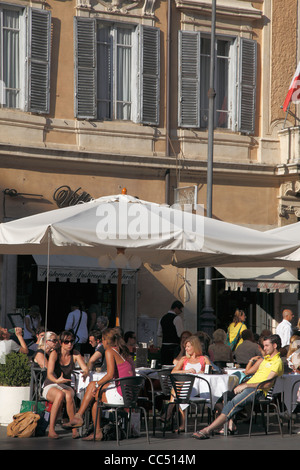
265,401
131,387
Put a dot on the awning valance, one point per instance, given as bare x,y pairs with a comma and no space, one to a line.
65,268
262,279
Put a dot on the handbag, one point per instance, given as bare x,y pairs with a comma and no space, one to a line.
23,425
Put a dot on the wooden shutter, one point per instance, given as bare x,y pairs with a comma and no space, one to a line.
149,75
85,68
39,42
189,79
247,85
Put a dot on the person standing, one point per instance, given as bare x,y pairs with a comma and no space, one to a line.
235,329
77,323
284,329
32,323
170,328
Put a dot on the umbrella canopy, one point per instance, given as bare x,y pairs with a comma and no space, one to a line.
157,233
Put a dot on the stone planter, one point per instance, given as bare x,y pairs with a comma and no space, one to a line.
10,402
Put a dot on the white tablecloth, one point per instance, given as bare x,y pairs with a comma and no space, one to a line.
219,384
284,386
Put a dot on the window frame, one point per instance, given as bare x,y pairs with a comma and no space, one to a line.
241,92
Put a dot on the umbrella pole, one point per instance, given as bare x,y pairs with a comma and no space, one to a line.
119,297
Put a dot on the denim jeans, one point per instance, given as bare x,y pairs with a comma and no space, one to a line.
240,401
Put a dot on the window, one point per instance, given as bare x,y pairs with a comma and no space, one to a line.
235,82
115,67
25,58
116,71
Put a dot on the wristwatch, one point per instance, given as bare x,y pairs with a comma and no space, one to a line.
97,385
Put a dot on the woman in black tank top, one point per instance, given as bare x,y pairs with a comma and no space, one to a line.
57,386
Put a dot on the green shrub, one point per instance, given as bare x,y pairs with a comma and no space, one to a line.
16,371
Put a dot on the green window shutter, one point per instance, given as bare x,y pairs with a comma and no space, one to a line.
39,43
85,68
149,75
247,85
189,79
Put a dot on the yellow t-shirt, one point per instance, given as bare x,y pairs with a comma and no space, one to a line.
269,364
233,330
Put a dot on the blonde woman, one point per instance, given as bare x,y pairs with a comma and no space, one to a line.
193,362
46,344
235,329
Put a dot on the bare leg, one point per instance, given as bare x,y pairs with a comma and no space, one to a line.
56,397
217,423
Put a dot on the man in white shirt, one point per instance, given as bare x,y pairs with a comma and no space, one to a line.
8,345
284,329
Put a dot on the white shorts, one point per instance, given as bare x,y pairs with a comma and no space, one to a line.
113,396
60,387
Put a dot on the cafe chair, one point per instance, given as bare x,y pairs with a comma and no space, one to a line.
37,379
182,385
131,388
151,400
294,404
205,399
265,402
164,376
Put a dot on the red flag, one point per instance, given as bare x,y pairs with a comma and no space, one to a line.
294,90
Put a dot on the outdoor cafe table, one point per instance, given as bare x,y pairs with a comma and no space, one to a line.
219,383
284,386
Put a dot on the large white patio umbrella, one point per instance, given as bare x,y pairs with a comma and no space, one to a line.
122,228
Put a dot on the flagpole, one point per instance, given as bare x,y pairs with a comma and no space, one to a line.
207,317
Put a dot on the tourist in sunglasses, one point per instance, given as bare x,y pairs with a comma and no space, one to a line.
57,387
47,344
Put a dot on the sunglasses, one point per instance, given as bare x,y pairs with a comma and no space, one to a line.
68,341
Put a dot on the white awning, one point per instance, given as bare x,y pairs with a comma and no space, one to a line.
65,268
262,279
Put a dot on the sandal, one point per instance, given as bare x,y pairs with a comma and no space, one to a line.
200,435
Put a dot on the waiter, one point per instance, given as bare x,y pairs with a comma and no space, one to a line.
170,328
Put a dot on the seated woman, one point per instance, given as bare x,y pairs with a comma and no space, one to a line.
293,352
119,364
57,387
192,363
218,351
46,345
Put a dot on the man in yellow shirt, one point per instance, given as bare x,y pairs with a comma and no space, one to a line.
268,368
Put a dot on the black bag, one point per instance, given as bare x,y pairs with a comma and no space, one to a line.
109,432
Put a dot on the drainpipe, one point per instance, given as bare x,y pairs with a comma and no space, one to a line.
168,74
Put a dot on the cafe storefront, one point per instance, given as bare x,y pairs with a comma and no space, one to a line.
70,278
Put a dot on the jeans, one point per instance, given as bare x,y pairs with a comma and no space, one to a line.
240,401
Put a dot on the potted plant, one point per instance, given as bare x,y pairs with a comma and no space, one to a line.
14,385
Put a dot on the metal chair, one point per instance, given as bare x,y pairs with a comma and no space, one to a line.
151,400
293,404
204,400
182,385
131,387
266,401
37,379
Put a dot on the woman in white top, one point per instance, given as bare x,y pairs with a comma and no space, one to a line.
192,363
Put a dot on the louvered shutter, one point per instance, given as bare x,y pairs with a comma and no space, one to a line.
247,85
189,79
39,42
149,75
85,68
